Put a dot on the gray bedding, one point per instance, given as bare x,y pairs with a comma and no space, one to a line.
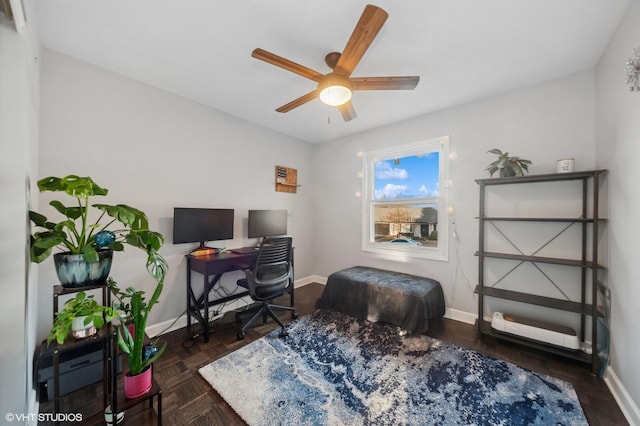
404,300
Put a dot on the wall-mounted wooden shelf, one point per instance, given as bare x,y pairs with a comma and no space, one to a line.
286,180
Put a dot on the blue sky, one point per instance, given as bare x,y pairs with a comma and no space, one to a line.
412,177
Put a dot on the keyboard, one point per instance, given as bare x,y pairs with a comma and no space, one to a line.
245,250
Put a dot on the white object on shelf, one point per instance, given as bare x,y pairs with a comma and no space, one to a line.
566,165
554,334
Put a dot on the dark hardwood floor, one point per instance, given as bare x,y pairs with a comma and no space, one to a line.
189,400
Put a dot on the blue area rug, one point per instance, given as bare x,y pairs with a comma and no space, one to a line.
335,370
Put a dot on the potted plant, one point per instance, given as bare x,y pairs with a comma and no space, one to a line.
81,317
87,244
131,340
508,166
136,311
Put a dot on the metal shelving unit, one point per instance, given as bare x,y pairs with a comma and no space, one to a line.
589,221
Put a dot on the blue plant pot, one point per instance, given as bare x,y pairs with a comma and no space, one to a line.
74,271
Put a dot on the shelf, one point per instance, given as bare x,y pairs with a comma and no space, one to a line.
542,219
539,259
286,179
585,257
549,302
59,290
125,404
141,414
550,177
485,328
70,343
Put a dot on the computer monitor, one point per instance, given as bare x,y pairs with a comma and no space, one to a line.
199,225
266,223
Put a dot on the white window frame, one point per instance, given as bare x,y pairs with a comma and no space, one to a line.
441,253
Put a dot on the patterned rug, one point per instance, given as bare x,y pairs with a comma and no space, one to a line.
335,370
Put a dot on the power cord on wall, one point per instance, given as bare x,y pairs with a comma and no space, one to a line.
458,269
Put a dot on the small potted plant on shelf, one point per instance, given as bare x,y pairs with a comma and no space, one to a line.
507,166
87,244
81,317
131,339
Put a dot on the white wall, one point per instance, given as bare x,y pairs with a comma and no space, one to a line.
618,149
19,99
543,123
156,151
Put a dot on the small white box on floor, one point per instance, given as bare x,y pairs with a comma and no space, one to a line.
545,332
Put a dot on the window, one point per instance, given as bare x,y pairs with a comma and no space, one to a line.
404,206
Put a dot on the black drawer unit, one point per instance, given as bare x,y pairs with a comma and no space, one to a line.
78,367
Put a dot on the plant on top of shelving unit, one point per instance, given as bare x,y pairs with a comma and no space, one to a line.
507,166
81,316
83,240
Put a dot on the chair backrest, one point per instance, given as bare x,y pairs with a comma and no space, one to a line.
272,271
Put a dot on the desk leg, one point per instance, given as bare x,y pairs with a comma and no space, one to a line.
206,289
189,290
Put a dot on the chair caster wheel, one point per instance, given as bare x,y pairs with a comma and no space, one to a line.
241,335
294,315
283,333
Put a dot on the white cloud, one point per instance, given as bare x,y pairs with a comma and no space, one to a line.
385,171
424,191
391,191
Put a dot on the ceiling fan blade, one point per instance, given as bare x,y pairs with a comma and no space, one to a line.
299,101
384,83
286,64
347,111
370,23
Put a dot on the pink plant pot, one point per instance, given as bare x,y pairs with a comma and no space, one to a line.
132,330
136,386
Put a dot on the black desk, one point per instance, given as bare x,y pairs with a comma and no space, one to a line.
212,267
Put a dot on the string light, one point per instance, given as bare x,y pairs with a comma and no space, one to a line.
632,71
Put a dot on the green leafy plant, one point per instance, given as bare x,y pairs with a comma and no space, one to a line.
136,311
78,234
80,306
508,166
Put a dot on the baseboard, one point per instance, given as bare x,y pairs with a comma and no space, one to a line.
314,279
33,406
241,303
628,407
461,316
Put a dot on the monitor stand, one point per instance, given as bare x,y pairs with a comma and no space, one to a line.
203,250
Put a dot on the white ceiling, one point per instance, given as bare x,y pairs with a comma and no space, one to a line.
201,49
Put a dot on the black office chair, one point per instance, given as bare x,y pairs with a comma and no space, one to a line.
269,277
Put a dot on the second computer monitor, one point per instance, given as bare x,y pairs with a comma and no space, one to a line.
265,223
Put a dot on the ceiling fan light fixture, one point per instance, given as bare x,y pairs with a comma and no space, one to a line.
335,90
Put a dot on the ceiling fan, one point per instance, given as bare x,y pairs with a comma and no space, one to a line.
335,87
